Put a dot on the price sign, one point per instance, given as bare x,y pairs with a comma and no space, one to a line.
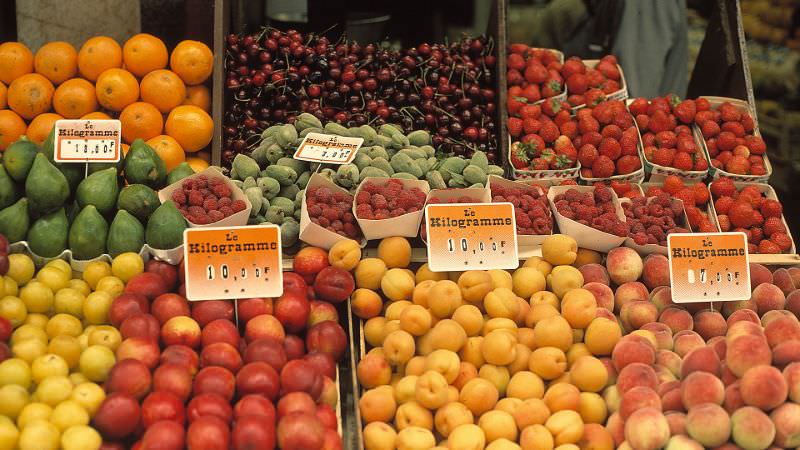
471,236
708,267
329,149
232,262
87,141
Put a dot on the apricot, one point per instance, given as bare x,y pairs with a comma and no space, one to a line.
539,264
451,416
520,363
538,312
397,284
474,285
596,437
566,426
601,336
424,273
398,347
404,389
579,307
366,303
472,351
377,405
412,414
445,362
548,362
524,385
447,334
562,396
499,323
379,436
553,332
592,408
578,350
497,375
530,411
466,436
526,337
345,254
419,296
415,365
479,395
414,319
527,281
499,347
394,309
447,297
536,437
546,297
395,252
589,374
369,273
415,438
500,278
373,371
501,303
559,249
563,279
374,332
498,425
470,319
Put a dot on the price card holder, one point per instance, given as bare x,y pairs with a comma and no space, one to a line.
471,236
328,149
232,262
85,141
708,267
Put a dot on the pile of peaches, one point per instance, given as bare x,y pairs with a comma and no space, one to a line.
572,350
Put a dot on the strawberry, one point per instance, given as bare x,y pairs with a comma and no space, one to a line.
576,100
685,111
620,187
726,141
782,240
710,129
729,113
628,164
535,72
642,121
577,83
702,104
551,88
638,106
686,144
734,127
534,142
520,157
587,154
748,123
610,148
773,225
551,107
562,117
515,125
673,184
629,142
741,214
738,165
548,155
532,93
701,195
666,139
610,86
700,164
608,69
540,164
549,132
594,97
520,49
587,124
612,131
663,157
571,66
515,61
771,208
683,161
595,78
514,78
724,223
755,144
530,111
563,162
686,196
603,167
768,247
530,125
569,129
661,121
515,103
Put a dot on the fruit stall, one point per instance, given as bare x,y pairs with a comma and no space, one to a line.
289,238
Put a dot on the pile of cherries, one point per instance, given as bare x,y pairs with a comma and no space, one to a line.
272,76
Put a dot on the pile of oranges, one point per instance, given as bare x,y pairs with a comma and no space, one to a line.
166,106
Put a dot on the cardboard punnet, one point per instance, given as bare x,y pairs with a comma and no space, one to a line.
234,220
406,225
315,234
652,248
716,173
480,196
619,94
525,242
586,236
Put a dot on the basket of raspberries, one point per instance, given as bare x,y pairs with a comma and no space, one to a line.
390,206
205,200
591,214
332,209
651,219
531,209
608,143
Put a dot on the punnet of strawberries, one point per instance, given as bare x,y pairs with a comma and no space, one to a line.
590,86
533,74
594,209
204,200
531,209
332,210
730,140
665,124
748,210
393,199
607,141
545,131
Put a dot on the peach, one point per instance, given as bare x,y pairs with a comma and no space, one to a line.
592,408
701,387
414,319
763,387
655,271
500,278
451,416
729,308
751,428
671,400
603,295
733,397
759,274
739,315
415,438
532,411
566,427
578,306
785,353
394,251
710,323
377,405
366,303
562,396
605,313
745,352
648,336
497,375
424,273
662,332
447,334
553,332
474,285
448,298
646,428
445,362
662,298
637,398
501,302
369,273
664,374
479,395
559,249
787,425
743,328
373,371
682,442
589,374
536,262
612,397
629,351
768,297
563,279
601,336
676,319
783,280
616,427
472,352
794,272
720,346
624,265
775,314
792,375
396,284
781,330
595,273
684,341
545,297
636,374
793,301
702,359
548,362
398,347
412,414
630,292
526,281
708,424
379,436
677,422
498,425
637,313
669,360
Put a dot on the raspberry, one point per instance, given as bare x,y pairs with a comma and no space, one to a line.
324,222
221,190
362,197
379,202
224,201
215,181
226,210
188,184
602,194
724,223
201,219
323,194
370,187
215,216
210,204
201,181
238,205
314,211
195,210
331,214
363,210
195,198
397,212
179,197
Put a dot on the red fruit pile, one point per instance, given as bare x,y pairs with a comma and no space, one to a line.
607,141
202,200
751,212
594,209
376,202
547,131
533,74
590,86
666,134
423,230
623,188
733,147
332,211
651,220
531,208
695,199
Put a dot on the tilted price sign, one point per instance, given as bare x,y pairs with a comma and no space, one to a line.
328,149
83,141
708,267
471,236
232,262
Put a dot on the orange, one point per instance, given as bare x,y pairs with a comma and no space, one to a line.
140,120
75,98
11,128
192,61
144,53
15,60
30,95
163,89
97,115
116,89
197,164
190,126
198,96
57,61
125,148
97,55
168,150
40,127
3,95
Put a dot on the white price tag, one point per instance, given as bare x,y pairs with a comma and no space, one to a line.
328,149
83,141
